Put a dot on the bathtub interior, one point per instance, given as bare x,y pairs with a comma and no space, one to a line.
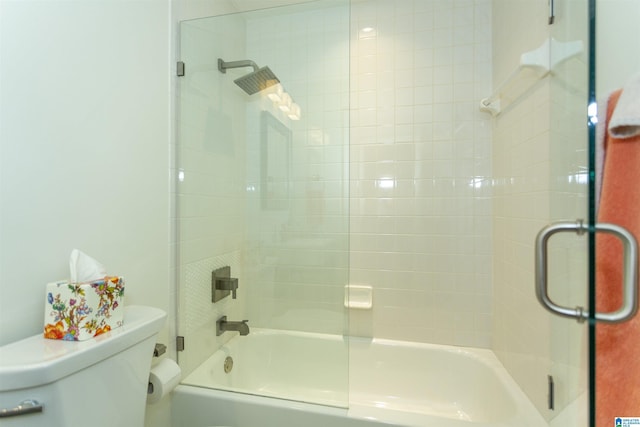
401,383
444,381
297,366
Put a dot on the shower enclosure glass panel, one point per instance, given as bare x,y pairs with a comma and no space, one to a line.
262,186
446,200
541,171
569,201
579,361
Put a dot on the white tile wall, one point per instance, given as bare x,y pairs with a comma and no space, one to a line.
297,257
420,166
210,195
420,162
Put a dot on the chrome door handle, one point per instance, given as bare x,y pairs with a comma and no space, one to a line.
630,279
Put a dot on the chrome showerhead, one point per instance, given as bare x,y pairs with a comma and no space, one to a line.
257,81
254,82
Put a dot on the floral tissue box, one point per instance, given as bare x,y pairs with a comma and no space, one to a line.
80,311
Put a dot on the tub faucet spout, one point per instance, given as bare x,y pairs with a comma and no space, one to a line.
223,325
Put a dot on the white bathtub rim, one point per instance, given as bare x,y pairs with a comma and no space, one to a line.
252,399
376,415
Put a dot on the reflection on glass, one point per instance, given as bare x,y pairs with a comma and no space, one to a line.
275,149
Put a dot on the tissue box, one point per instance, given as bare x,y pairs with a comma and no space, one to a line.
80,311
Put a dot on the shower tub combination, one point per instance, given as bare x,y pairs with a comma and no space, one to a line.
387,383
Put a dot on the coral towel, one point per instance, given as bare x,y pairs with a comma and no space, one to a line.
618,346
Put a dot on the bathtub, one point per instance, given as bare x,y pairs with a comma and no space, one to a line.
283,378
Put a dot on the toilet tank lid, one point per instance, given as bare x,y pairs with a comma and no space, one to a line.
36,361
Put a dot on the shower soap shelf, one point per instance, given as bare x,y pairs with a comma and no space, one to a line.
358,297
534,66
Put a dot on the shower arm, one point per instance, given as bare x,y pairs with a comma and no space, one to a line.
222,65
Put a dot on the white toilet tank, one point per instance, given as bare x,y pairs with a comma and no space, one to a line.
101,382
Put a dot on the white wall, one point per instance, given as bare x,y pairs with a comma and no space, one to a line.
84,112
617,29
84,151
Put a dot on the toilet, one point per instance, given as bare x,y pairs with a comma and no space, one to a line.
100,382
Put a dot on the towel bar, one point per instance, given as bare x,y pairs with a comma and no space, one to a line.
541,61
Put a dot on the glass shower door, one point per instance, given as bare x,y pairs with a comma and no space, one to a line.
587,375
262,188
569,172
541,176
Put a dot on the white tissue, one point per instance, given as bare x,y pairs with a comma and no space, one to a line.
83,268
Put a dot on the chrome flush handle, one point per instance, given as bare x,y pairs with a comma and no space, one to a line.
25,407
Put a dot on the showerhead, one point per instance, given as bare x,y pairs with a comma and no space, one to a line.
258,80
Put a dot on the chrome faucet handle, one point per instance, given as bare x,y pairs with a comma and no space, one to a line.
227,284
222,284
